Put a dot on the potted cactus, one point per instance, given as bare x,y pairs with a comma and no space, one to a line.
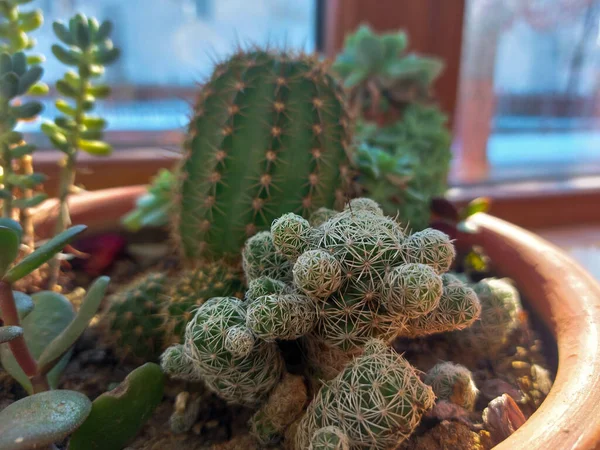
280,308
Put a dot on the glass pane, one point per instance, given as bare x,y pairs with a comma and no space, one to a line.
531,77
168,47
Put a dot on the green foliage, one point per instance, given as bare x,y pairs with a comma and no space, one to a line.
51,315
153,209
40,420
16,79
404,165
454,383
403,147
370,61
117,415
268,136
383,387
88,48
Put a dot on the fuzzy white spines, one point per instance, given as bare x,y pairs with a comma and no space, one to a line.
245,379
281,316
320,216
317,273
412,290
454,383
291,235
176,364
364,204
376,401
239,341
261,259
431,247
500,308
259,287
329,438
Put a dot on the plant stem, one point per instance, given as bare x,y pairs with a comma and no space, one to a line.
67,176
8,171
17,346
25,214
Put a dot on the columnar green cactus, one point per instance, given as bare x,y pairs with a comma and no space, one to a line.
221,352
135,325
500,307
268,136
454,383
375,402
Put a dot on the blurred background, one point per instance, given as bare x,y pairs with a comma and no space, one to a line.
521,85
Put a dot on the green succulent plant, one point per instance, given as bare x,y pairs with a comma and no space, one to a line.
269,134
88,48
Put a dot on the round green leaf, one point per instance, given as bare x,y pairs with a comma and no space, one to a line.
23,303
30,78
118,415
9,85
42,419
51,315
19,63
97,148
62,32
68,57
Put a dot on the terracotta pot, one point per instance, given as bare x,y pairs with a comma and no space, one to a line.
564,296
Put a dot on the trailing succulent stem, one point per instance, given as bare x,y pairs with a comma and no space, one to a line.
89,49
269,135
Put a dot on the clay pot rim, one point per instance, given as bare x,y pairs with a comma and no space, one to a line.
564,295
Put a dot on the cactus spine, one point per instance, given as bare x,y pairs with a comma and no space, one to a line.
268,136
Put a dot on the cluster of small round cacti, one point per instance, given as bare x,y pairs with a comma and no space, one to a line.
152,312
454,383
220,350
360,275
375,402
500,307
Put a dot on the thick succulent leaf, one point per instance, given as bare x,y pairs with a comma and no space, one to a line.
66,89
65,108
27,110
19,65
43,253
29,79
63,342
38,89
62,32
9,333
104,31
5,63
11,137
23,303
51,315
22,150
69,57
9,85
96,148
30,20
118,415
9,243
106,57
369,52
42,419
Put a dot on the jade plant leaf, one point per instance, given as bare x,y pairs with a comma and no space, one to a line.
23,303
9,242
43,254
9,333
51,315
64,341
42,419
117,415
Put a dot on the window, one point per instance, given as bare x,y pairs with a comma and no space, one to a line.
531,79
168,46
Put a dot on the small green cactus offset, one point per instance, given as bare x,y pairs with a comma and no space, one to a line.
376,402
221,350
500,308
454,383
269,134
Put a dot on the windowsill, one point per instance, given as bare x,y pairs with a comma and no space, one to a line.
530,204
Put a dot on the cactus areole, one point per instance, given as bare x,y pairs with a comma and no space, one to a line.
269,135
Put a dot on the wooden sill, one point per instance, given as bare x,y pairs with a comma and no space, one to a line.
530,204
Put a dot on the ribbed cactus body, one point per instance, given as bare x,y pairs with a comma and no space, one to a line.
134,321
268,136
375,402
